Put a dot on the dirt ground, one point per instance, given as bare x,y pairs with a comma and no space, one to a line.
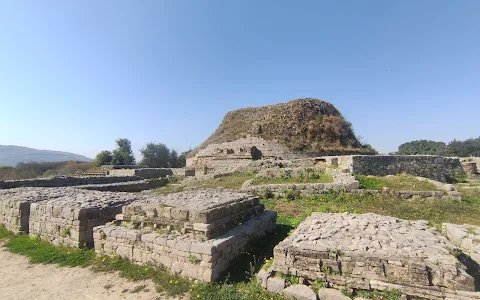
20,280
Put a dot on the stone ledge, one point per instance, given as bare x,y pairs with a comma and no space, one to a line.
205,260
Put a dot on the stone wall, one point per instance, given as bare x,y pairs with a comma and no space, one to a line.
194,233
230,156
68,215
203,260
341,182
434,167
64,181
152,172
130,186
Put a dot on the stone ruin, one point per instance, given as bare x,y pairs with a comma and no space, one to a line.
196,234
368,251
60,215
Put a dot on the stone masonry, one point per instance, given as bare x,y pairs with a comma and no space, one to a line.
15,206
68,215
63,181
434,167
152,172
195,234
341,182
369,251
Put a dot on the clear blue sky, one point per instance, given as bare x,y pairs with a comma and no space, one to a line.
76,75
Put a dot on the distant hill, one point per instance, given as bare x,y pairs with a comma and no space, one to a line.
11,155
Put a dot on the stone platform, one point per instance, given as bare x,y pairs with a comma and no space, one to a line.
369,251
195,234
201,213
68,215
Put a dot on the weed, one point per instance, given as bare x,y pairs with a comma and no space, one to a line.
399,182
65,231
193,259
138,288
43,252
379,295
5,233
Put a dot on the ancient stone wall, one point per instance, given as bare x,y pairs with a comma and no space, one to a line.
68,215
64,181
195,234
152,172
130,186
434,167
184,255
230,156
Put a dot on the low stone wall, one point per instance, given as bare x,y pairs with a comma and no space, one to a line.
410,195
470,168
131,186
15,206
152,172
341,182
64,181
434,167
369,251
68,215
203,260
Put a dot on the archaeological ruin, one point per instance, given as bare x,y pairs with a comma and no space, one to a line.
196,234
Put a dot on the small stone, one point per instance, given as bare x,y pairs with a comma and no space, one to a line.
300,292
331,294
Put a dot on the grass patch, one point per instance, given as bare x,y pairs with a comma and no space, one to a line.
302,178
396,183
4,233
231,181
435,211
240,291
45,253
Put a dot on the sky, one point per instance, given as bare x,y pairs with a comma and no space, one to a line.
77,75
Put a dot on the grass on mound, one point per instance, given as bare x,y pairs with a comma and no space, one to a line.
396,183
435,211
303,178
231,181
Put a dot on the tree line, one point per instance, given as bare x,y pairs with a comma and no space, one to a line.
469,147
153,156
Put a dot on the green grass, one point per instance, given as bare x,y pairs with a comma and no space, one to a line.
4,233
43,252
303,178
435,211
397,183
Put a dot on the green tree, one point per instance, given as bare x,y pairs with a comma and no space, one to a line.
123,155
103,158
155,156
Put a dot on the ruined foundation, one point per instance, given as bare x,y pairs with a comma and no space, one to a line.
195,234
369,251
70,216
15,206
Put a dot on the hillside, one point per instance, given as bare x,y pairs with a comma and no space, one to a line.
11,155
308,125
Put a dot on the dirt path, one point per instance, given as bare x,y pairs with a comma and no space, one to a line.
20,280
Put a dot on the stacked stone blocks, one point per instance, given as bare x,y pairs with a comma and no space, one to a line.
372,252
196,234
